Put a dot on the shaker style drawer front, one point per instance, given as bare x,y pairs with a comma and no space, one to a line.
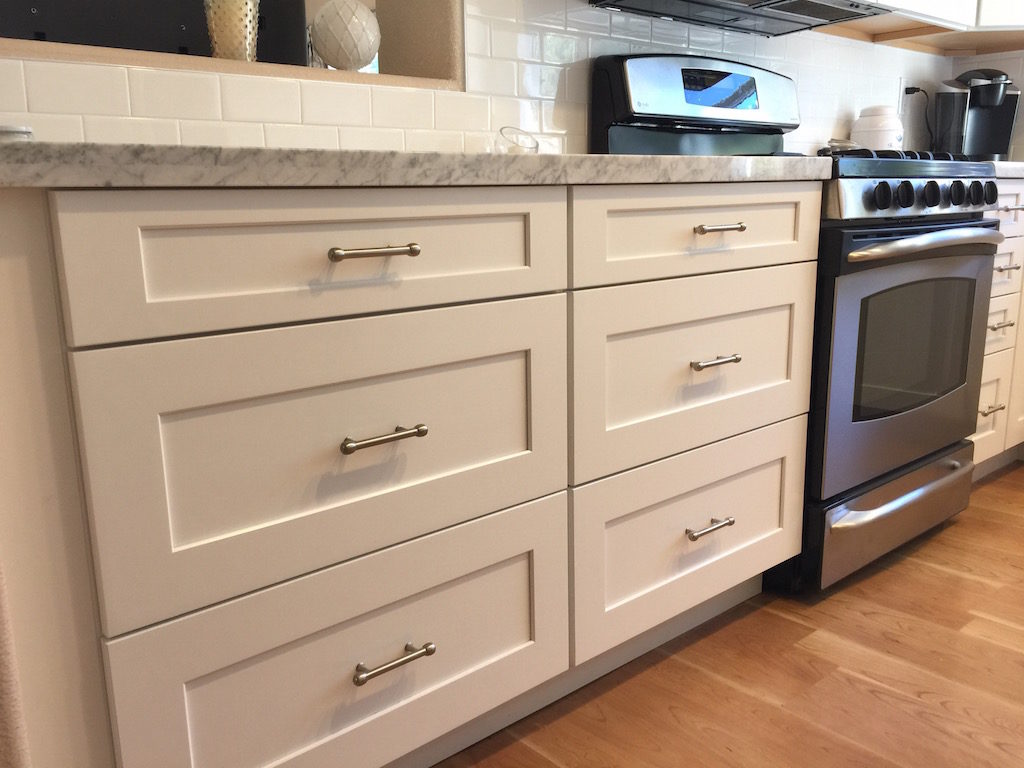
655,541
270,679
1011,207
993,403
643,232
1003,314
662,367
1008,267
146,264
218,465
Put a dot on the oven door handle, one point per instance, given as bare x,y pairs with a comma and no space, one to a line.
911,246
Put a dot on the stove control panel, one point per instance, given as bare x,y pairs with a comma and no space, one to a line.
852,198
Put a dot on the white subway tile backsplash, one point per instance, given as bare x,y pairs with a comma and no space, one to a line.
300,136
563,49
577,82
477,37
221,133
12,87
326,103
547,13
260,99
493,9
434,141
461,112
492,76
581,17
671,33
739,45
76,89
631,27
608,46
562,117
707,39
101,129
478,143
371,138
402,108
539,81
47,127
176,95
513,42
522,113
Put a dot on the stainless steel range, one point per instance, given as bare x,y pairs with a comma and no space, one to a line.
904,274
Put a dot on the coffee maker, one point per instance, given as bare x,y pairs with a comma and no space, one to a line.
977,117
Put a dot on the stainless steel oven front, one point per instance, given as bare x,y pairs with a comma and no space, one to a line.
900,341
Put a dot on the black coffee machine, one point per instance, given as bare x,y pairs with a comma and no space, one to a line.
977,118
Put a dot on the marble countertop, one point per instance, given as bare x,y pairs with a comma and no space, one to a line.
47,165
1006,169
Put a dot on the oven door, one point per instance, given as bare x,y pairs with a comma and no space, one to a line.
907,335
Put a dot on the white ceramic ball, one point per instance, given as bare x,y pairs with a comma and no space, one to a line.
345,34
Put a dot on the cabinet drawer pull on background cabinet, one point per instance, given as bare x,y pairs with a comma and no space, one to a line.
716,525
364,674
1011,268
1000,326
992,409
1009,208
707,229
700,365
348,445
337,254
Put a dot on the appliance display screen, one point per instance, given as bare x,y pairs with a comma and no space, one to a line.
725,90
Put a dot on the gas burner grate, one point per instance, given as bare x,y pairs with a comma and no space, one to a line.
895,154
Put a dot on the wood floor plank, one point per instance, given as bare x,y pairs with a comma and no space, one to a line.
502,750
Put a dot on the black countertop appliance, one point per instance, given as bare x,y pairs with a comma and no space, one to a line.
977,118
656,104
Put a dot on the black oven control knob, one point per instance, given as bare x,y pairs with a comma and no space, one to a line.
883,195
976,193
991,193
932,194
905,194
958,192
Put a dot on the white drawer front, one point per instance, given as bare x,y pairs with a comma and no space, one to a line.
213,465
1003,314
145,264
636,395
993,403
1011,197
267,680
1008,266
634,564
628,233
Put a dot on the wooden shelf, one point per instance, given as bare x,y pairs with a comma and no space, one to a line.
901,32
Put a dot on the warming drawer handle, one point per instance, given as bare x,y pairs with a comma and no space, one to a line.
1004,324
716,525
364,674
909,246
707,229
339,254
992,409
349,446
700,365
1012,268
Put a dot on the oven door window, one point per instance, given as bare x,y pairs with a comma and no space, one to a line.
913,346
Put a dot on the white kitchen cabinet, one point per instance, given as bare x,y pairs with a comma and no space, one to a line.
1000,14
269,678
640,556
1002,323
990,438
954,14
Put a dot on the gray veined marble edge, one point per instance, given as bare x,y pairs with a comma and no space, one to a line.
54,165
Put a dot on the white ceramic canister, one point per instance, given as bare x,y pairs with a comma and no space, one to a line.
878,128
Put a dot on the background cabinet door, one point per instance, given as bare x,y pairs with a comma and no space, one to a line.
956,14
1000,14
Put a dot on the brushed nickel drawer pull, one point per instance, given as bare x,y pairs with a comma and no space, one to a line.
700,365
1009,208
338,254
348,445
1012,268
1004,324
716,525
364,674
707,229
992,409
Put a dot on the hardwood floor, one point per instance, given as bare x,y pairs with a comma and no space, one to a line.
916,661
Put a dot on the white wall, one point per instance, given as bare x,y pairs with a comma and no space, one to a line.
526,66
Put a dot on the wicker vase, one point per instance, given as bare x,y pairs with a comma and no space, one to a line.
232,25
